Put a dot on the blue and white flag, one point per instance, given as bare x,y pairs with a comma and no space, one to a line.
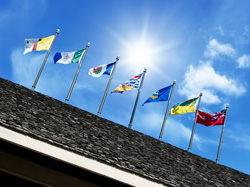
101,70
68,57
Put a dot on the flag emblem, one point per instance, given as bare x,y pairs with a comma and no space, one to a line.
211,119
131,84
68,57
155,95
38,44
159,95
101,70
97,69
184,107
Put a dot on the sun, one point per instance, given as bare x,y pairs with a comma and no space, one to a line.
140,50
140,53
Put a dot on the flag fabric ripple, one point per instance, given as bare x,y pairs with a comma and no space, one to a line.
101,70
39,44
159,95
68,57
212,119
131,84
184,107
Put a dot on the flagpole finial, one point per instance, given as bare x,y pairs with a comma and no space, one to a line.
200,94
117,57
174,82
88,44
145,70
227,106
58,30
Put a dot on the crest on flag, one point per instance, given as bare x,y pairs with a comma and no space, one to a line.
212,119
131,84
184,107
101,70
97,69
159,95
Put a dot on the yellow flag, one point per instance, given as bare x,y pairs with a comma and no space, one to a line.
38,44
44,43
184,107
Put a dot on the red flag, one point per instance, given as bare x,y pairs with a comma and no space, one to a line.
211,119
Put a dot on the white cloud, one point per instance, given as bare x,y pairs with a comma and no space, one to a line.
244,61
239,137
204,79
214,49
221,31
25,67
175,132
241,141
152,120
55,80
245,37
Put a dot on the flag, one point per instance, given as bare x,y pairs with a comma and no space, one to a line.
101,70
185,107
159,95
211,119
39,44
68,57
131,84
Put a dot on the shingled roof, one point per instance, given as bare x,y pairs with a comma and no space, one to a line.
57,123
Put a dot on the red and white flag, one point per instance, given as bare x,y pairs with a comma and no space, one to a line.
211,119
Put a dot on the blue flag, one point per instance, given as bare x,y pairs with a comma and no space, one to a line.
159,95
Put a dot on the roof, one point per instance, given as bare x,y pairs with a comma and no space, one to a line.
57,123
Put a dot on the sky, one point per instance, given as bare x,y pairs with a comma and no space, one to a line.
203,45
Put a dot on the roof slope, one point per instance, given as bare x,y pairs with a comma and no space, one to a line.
71,128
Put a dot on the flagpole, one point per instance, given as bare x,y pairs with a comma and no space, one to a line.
73,83
107,88
137,98
191,139
165,118
222,132
41,69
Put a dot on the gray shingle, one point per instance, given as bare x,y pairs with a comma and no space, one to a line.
52,121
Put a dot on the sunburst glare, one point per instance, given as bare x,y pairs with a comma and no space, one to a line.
140,54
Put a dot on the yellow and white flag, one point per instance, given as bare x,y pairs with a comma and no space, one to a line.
38,44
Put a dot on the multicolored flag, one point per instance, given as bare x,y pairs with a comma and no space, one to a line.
184,107
131,84
159,95
39,44
101,70
68,57
211,119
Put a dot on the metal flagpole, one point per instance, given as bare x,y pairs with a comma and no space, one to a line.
137,98
165,118
41,69
107,88
191,140
73,83
222,132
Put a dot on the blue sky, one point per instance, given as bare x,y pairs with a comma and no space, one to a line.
203,45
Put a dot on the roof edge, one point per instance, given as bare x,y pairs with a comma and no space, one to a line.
74,159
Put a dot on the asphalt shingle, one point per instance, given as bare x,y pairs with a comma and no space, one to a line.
60,124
